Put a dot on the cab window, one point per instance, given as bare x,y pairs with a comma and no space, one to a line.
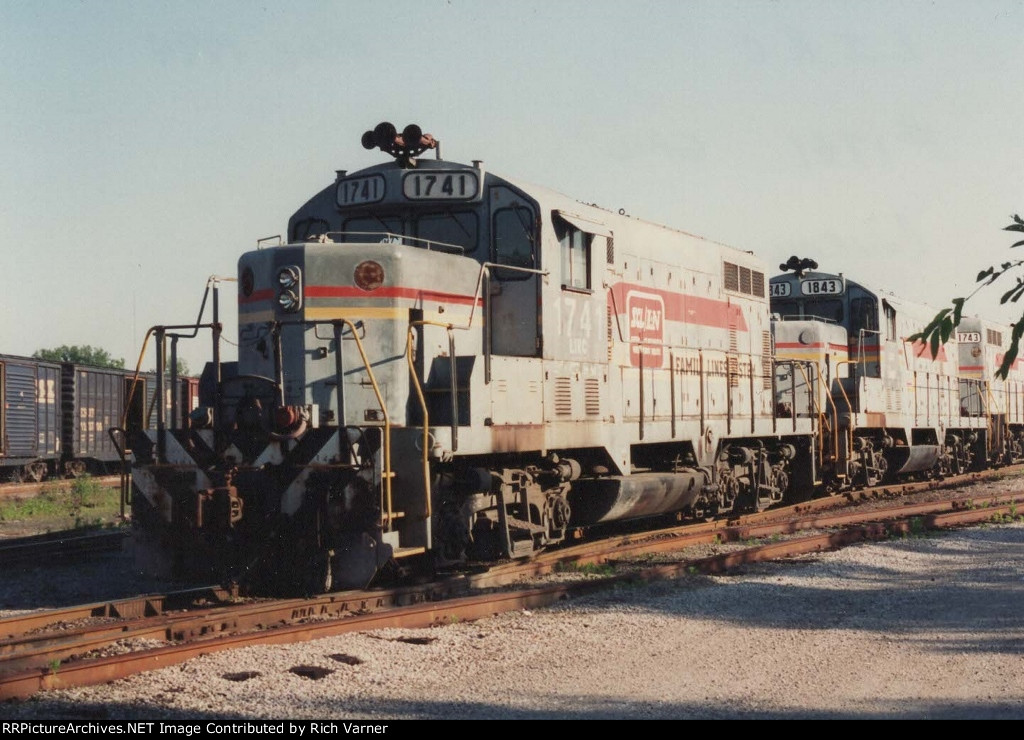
864,315
890,322
513,240
372,229
828,309
575,248
451,227
786,308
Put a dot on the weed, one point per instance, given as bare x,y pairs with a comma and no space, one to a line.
916,527
590,569
54,665
84,500
39,506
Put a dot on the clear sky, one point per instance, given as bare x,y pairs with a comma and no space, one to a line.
145,145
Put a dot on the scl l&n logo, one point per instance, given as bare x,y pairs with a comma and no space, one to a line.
646,314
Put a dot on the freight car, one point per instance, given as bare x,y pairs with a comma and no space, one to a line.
886,406
55,417
441,364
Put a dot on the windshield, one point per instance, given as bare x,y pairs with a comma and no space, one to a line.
451,227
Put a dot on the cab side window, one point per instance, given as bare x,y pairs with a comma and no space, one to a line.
865,315
575,249
890,322
513,240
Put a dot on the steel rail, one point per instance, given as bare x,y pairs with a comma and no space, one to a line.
424,614
60,547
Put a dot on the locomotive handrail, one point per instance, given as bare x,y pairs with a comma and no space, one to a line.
386,472
125,489
453,374
818,384
835,413
615,313
386,443
426,421
849,405
988,419
484,276
392,238
861,359
423,401
161,333
815,408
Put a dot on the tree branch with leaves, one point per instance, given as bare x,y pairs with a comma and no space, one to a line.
939,329
81,355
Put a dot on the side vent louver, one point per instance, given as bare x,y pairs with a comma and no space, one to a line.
592,393
742,280
563,396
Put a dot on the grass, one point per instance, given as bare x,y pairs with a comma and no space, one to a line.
917,527
75,504
590,569
1008,518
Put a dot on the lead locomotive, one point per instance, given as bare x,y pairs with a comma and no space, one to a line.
442,364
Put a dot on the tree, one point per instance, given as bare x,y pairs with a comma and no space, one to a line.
183,368
84,355
939,329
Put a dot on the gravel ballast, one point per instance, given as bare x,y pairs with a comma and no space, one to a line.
925,627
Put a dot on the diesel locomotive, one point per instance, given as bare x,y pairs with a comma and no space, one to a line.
440,364
888,407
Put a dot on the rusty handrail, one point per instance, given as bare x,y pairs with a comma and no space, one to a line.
423,401
386,463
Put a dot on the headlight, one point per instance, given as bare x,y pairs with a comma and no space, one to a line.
289,294
289,301
288,277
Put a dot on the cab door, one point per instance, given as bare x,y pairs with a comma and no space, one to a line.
513,320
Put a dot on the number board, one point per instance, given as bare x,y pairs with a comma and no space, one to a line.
968,336
779,290
821,286
426,185
358,190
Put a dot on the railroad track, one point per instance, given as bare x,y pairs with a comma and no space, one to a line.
102,642
60,547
